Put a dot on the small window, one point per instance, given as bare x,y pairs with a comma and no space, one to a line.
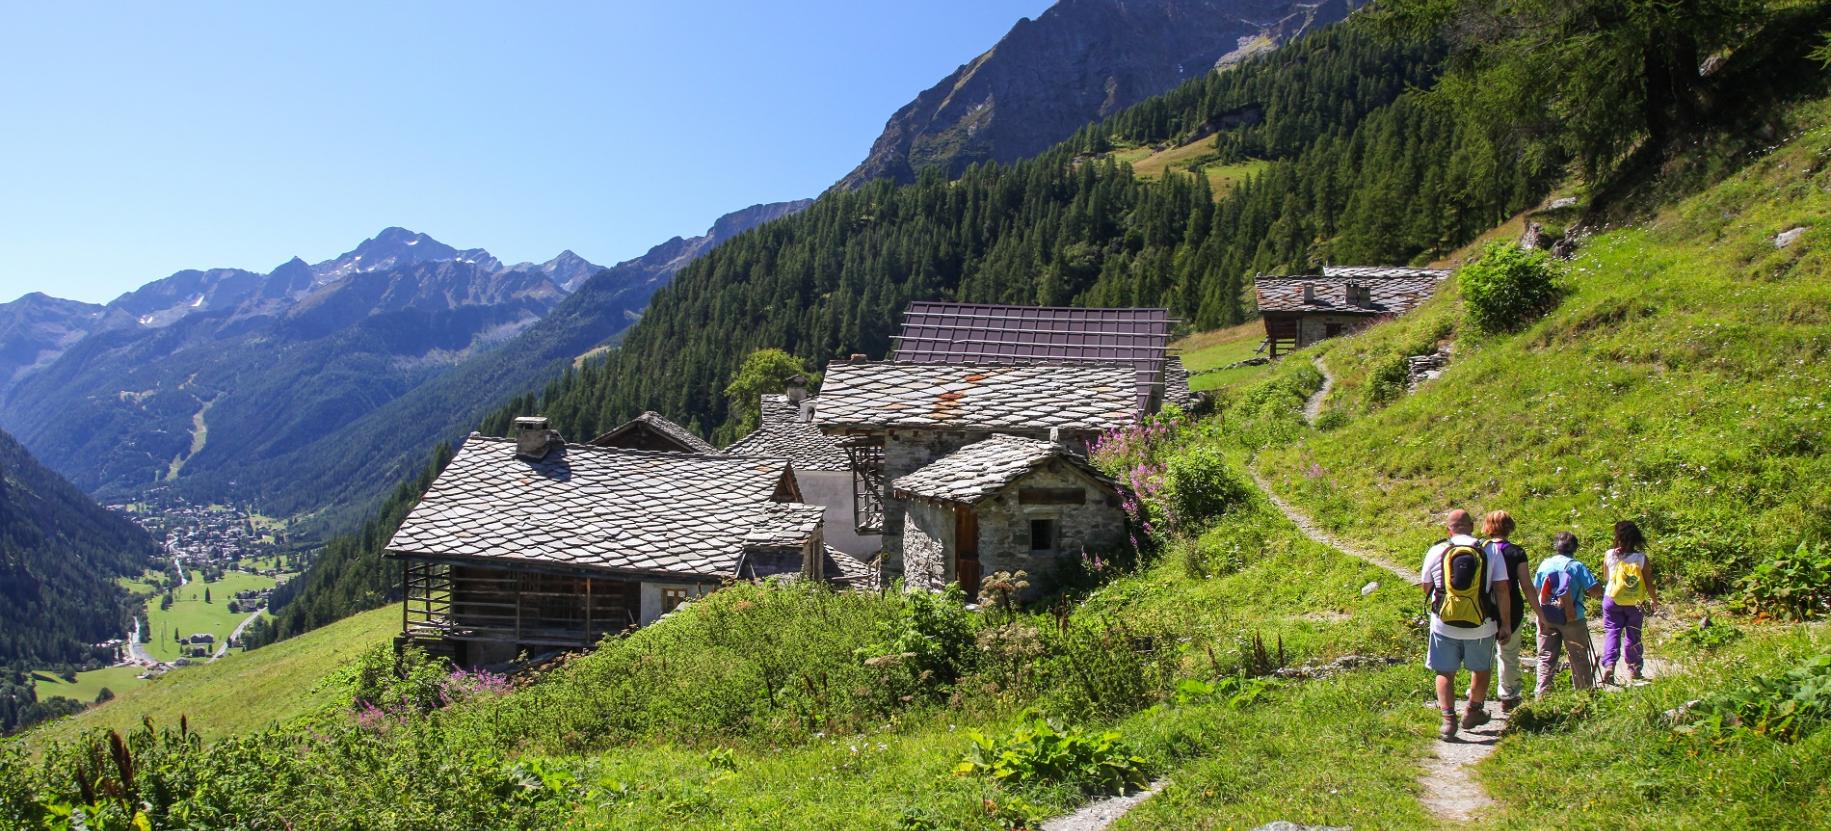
672,598
1042,535
1332,330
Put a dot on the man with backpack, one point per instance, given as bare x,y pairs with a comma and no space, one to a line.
1466,588
1561,582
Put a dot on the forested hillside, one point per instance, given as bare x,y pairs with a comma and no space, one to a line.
59,555
1362,168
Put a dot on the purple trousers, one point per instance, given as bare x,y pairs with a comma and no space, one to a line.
1621,628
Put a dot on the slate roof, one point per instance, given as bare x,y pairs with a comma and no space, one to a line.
784,434
1388,295
629,511
983,468
784,525
1034,396
847,570
971,333
1381,272
688,442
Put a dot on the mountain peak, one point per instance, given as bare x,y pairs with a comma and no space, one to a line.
394,246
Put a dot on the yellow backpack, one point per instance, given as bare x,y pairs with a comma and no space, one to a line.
1461,598
1627,586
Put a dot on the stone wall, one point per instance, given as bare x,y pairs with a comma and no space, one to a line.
905,452
1096,525
928,546
1314,328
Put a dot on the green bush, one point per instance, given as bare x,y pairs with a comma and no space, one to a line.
1508,287
921,650
1202,486
1795,586
1786,707
1040,752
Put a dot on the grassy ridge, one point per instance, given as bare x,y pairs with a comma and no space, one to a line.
242,692
1683,383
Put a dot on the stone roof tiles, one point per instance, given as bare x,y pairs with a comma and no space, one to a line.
1386,295
983,468
1382,272
630,511
688,442
986,397
783,433
1176,384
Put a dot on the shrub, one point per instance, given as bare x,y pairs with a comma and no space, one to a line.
1795,586
925,647
1508,287
1040,751
1709,636
1201,486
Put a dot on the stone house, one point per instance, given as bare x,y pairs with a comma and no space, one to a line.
1307,309
786,431
894,419
1004,503
531,544
650,431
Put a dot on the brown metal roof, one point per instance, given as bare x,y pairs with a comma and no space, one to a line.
965,333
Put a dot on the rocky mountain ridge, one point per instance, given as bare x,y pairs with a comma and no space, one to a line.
1078,62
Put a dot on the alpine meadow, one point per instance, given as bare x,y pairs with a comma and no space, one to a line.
1191,414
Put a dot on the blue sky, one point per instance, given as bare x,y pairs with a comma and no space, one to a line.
139,139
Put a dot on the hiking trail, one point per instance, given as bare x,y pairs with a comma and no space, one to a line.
1450,790
1312,408
1100,813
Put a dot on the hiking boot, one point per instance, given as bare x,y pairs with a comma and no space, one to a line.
1608,677
1507,705
1634,676
1474,717
1448,732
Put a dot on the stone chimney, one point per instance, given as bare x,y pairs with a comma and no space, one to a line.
857,358
1309,292
1360,294
796,389
534,439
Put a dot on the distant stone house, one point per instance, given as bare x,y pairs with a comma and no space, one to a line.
532,544
1004,503
1306,309
786,431
651,431
895,419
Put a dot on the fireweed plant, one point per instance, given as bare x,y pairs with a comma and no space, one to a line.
1135,454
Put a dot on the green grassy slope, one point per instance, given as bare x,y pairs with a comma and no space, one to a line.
190,615
1682,383
243,691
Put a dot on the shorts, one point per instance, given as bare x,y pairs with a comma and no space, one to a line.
1447,654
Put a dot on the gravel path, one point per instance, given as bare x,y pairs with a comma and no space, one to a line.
1312,409
1100,813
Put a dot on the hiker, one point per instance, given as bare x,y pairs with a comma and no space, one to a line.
1629,599
1560,584
1466,614
1497,526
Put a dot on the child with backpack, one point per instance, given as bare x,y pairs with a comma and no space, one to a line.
1497,526
1559,585
1629,599
1462,583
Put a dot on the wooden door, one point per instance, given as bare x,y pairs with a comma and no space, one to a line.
966,550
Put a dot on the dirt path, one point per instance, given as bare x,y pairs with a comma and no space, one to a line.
1312,409
1100,813
1313,531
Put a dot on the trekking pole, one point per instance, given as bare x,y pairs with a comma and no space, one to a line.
1595,661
